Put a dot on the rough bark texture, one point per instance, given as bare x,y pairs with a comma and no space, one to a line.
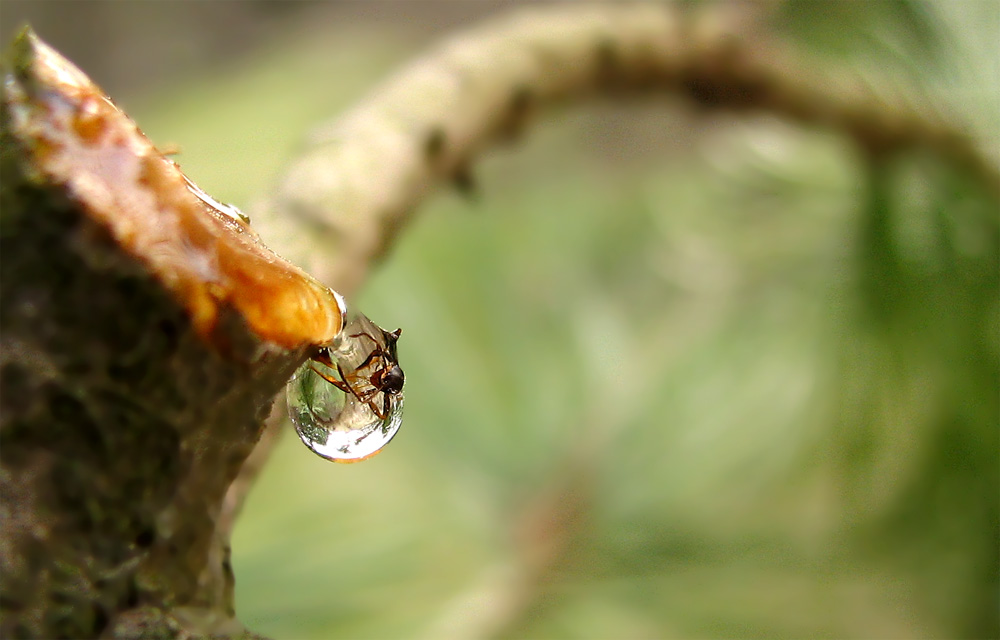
121,430
133,377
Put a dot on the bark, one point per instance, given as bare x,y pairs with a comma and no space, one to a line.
144,332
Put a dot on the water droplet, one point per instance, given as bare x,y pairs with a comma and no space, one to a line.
347,402
221,207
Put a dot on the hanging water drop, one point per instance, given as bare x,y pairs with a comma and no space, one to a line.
347,401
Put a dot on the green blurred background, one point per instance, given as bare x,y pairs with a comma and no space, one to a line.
670,373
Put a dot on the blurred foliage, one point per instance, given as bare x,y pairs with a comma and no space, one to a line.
744,384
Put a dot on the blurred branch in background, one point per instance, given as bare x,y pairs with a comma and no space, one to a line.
364,174
356,186
809,448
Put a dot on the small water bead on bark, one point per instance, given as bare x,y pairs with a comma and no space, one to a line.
347,401
221,207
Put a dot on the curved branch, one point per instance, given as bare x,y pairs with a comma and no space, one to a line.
355,187
343,202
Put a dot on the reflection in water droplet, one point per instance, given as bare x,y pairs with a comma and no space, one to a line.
347,402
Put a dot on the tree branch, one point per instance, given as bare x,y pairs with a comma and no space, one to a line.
344,200
363,175
144,333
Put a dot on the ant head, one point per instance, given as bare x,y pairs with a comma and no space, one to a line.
392,381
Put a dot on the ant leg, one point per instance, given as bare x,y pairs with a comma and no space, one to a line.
323,357
365,397
382,415
340,384
365,334
368,395
377,353
344,386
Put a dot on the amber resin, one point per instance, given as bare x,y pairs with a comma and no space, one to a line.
203,251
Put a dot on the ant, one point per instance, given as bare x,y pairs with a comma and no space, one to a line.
378,373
